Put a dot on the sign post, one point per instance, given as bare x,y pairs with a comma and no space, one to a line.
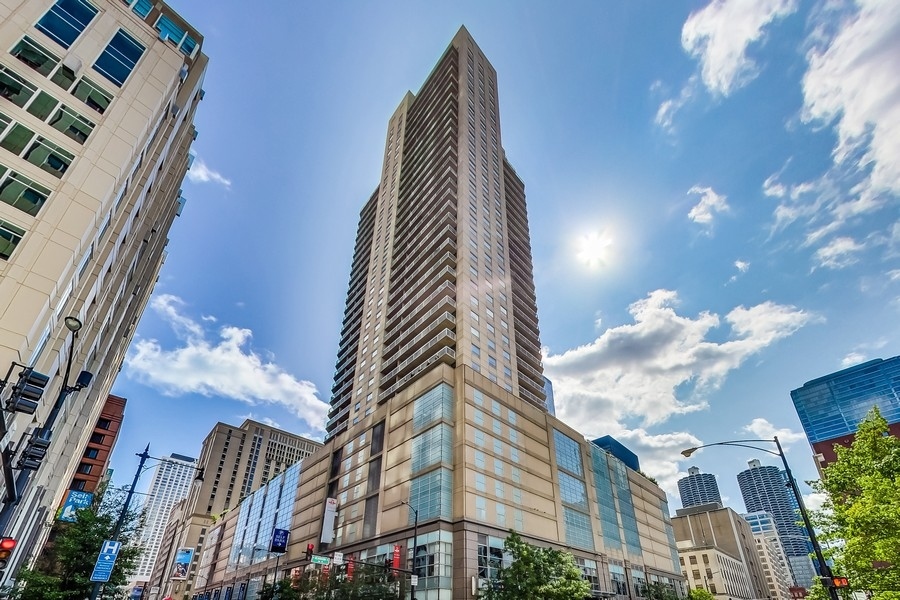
106,561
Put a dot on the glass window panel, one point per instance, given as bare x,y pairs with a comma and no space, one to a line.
72,124
119,58
23,193
142,7
10,236
65,21
168,28
572,491
14,88
17,139
578,529
568,453
35,56
188,45
64,77
43,105
92,94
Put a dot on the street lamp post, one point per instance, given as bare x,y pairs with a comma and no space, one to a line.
415,573
824,569
117,530
74,325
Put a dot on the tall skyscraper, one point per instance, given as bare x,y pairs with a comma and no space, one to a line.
438,420
97,102
771,553
763,489
698,488
171,481
831,407
236,461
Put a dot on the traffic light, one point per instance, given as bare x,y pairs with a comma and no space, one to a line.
27,391
309,551
7,545
34,452
841,582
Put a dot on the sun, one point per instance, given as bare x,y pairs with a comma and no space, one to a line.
593,249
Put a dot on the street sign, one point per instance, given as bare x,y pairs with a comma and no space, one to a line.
320,560
106,561
279,541
338,558
413,580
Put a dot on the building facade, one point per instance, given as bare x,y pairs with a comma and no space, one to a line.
171,482
438,420
97,101
831,407
771,554
236,461
717,552
95,460
763,489
698,488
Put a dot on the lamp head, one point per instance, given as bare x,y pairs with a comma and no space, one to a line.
198,479
687,453
73,324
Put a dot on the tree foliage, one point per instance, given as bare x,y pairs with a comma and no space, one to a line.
660,591
537,574
860,521
369,582
700,594
64,568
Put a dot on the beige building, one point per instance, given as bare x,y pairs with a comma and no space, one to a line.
775,564
438,398
717,552
236,461
97,101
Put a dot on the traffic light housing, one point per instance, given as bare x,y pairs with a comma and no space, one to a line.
310,548
7,545
34,453
27,392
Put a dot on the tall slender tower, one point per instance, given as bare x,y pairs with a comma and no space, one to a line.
439,438
442,268
698,488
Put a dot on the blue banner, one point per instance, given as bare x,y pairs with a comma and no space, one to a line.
74,501
279,541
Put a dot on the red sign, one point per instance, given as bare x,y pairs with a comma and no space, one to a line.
350,564
324,575
396,564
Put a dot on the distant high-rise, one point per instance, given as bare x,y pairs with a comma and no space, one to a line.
548,392
831,407
171,482
698,488
97,106
771,553
763,489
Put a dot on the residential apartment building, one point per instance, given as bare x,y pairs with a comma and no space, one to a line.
97,101
171,482
718,552
763,489
831,407
771,554
95,460
438,417
236,461
698,488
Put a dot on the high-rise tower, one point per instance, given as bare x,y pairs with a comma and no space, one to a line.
763,489
698,488
439,438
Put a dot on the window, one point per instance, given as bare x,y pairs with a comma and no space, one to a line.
103,423
72,124
85,468
120,57
48,156
480,483
480,508
91,453
93,95
22,193
476,351
97,438
78,484
66,20
35,56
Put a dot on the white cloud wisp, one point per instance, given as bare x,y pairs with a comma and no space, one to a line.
710,203
225,367
201,173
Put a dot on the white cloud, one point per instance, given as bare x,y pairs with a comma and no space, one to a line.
267,420
665,114
742,265
894,275
815,500
852,80
710,203
839,253
762,429
662,364
853,358
224,367
719,35
201,173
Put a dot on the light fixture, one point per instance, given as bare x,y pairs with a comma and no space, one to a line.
687,453
73,324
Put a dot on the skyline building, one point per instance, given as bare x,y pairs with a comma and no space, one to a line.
171,481
763,489
698,488
95,461
771,553
439,438
832,406
97,102
236,461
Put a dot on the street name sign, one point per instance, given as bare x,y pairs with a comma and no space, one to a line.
320,560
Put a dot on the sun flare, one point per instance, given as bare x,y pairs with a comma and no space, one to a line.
593,249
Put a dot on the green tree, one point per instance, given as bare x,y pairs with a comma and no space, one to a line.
537,574
700,594
660,591
860,520
64,568
369,582
281,590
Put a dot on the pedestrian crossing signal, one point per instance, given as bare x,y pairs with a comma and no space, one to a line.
841,582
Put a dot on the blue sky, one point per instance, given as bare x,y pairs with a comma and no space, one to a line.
712,189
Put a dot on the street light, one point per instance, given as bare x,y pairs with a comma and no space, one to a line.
413,582
41,437
824,569
95,593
